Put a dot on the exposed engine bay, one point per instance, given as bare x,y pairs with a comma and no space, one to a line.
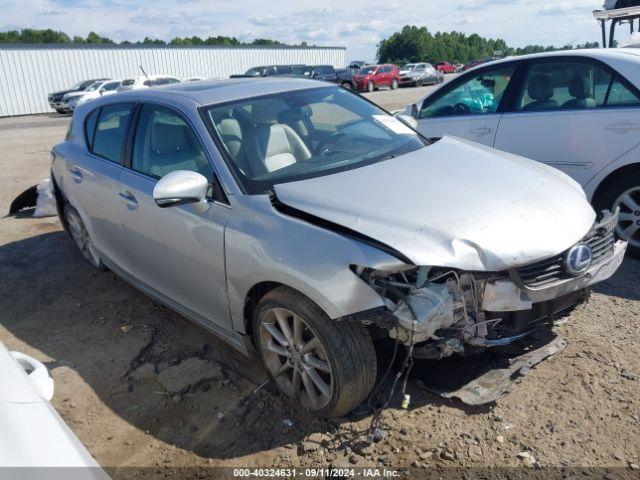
441,312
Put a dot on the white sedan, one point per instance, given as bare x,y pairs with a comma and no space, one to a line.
577,110
98,89
32,434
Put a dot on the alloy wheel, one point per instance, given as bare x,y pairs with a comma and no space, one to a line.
81,238
295,357
628,227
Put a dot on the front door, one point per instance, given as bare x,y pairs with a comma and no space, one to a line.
468,108
178,252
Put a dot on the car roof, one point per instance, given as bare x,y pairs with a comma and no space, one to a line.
207,92
597,53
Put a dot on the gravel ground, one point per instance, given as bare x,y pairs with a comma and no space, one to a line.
143,387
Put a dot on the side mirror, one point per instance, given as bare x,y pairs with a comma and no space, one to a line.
414,110
102,90
408,121
179,188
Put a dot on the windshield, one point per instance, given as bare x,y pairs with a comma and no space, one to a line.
127,82
365,70
94,86
302,134
254,72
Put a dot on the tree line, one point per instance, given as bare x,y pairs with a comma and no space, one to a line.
418,44
31,36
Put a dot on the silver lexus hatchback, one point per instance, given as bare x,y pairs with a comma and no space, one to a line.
298,219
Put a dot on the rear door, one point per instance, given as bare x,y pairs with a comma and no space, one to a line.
94,179
573,113
177,252
468,108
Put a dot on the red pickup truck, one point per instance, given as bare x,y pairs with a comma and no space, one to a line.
372,77
446,67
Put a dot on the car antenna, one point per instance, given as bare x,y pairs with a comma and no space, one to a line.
144,73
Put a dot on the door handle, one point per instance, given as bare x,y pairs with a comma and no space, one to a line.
481,131
129,199
76,173
622,127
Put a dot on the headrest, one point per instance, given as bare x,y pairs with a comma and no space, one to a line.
229,127
540,88
168,137
580,87
266,111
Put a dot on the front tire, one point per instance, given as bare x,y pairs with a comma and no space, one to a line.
394,84
370,87
346,85
327,366
80,236
624,193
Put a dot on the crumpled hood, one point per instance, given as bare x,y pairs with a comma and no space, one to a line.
455,204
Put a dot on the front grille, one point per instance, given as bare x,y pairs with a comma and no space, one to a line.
600,239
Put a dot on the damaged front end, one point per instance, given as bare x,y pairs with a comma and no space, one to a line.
439,312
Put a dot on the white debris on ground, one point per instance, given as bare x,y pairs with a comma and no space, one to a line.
46,203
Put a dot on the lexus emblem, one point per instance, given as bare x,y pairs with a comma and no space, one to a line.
578,259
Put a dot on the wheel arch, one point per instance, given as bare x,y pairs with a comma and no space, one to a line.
611,178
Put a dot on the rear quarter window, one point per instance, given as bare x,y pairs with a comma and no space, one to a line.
90,127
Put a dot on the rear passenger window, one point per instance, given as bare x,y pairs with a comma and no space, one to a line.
111,131
164,142
573,85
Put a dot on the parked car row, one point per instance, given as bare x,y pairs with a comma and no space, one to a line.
65,101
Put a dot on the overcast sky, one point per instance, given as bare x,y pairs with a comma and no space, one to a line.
357,24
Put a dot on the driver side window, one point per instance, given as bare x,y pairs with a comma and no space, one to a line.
480,94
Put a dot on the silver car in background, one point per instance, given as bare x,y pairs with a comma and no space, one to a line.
419,74
298,219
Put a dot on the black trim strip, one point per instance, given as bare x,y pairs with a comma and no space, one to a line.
337,228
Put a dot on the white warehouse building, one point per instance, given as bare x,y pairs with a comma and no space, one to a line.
28,73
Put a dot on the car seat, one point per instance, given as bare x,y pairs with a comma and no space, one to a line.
580,89
541,91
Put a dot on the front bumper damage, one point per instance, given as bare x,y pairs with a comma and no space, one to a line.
440,312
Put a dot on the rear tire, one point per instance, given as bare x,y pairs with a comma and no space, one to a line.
335,375
346,85
80,236
624,192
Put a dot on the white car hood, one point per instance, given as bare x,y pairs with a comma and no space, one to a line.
455,204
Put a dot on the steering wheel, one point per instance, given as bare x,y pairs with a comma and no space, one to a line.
461,109
329,143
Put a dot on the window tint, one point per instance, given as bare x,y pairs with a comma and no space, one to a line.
111,131
110,86
306,133
164,142
619,95
564,85
480,94
172,80
90,127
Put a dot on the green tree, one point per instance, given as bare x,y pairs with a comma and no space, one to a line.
265,41
93,37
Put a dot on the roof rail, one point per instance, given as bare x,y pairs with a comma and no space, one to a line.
616,16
